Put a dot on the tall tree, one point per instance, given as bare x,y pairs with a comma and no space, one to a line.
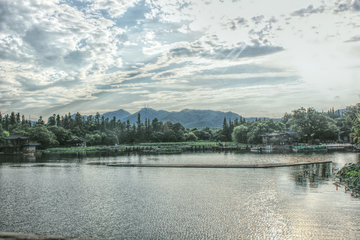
18,118
97,120
23,121
41,134
40,121
58,120
78,121
12,118
225,131
51,120
139,132
311,124
240,134
6,122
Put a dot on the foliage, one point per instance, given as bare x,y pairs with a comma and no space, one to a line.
258,128
356,127
61,134
350,174
99,130
3,133
41,134
191,137
240,134
311,124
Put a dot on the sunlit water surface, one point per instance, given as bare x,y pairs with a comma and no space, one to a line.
68,197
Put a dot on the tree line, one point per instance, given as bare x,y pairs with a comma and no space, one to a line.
309,123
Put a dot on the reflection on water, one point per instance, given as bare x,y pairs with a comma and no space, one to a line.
70,198
313,175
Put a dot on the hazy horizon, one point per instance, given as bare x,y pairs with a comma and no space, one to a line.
254,58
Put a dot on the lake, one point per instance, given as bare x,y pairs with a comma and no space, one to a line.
68,197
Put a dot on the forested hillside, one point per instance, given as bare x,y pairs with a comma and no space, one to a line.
100,130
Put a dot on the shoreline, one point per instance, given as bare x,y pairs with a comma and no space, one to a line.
183,147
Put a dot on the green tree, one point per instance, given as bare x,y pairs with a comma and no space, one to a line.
20,129
225,134
40,121
42,135
12,118
178,129
97,120
102,124
157,137
51,120
169,134
311,124
110,138
140,129
191,137
3,133
23,120
95,139
240,134
78,121
61,134
285,119
58,120
18,118
357,128
202,135
6,122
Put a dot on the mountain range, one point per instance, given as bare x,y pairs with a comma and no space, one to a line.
187,117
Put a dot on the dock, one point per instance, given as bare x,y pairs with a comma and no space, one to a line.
339,147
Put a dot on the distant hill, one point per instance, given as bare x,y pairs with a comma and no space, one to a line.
188,118
119,114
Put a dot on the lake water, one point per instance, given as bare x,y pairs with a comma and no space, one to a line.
68,197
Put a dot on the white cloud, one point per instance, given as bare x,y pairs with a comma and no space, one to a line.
114,7
76,53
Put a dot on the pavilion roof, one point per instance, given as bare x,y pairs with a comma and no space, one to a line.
78,140
13,137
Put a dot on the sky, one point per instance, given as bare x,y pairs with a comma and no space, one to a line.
252,57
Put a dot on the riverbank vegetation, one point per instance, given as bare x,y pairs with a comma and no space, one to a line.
164,147
309,123
350,176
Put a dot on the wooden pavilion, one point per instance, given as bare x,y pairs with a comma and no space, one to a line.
17,144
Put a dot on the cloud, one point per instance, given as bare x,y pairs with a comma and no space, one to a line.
115,8
252,51
308,11
353,39
165,75
257,19
210,47
132,74
353,6
114,51
238,22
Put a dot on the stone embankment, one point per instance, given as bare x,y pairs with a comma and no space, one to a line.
22,236
268,165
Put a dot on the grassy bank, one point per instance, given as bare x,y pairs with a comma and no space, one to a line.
166,147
